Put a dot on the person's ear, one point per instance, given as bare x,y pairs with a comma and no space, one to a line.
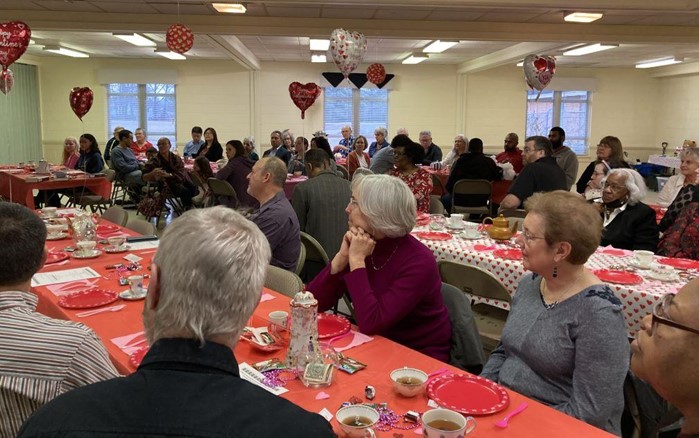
153,288
562,251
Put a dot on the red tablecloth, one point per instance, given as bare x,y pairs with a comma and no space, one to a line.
15,187
290,184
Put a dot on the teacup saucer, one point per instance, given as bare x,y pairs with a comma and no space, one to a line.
127,295
636,265
86,255
671,277
467,237
117,249
59,236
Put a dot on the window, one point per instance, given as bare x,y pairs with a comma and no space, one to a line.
568,109
363,109
147,106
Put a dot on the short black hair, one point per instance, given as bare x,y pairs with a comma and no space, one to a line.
401,140
322,143
475,145
317,158
414,151
24,236
197,130
541,143
559,130
124,133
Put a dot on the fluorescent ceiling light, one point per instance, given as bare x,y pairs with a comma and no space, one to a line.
415,58
66,52
583,17
658,63
439,46
170,55
520,64
135,39
318,58
229,8
319,45
586,50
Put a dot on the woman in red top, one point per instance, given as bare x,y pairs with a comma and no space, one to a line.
358,158
141,145
407,157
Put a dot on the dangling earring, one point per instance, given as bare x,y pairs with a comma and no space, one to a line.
555,271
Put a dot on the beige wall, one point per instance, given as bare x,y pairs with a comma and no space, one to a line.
677,110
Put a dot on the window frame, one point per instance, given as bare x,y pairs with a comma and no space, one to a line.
558,101
355,122
142,95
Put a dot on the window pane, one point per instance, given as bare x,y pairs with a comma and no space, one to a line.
373,111
574,109
123,111
337,112
539,113
160,88
123,88
161,114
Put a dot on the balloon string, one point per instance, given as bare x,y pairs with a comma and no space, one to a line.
178,12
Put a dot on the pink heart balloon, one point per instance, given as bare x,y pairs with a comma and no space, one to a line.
347,49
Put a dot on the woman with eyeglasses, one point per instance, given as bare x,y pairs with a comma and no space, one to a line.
564,342
593,191
608,149
407,157
628,222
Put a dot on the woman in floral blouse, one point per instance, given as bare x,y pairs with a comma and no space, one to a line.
407,157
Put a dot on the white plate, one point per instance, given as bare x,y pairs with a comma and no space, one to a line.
59,236
114,250
667,278
464,236
91,255
127,295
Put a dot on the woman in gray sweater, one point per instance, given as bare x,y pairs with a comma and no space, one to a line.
565,342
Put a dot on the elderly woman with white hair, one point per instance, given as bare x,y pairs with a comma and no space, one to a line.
249,144
380,134
628,222
689,175
460,143
390,276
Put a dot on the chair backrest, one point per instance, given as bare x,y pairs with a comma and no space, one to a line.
110,174
515,216
362,171
473,280
117,215
141,226
302,260
436,206
473,187
222,188
437,183
285,282
343,171
466,347
314,250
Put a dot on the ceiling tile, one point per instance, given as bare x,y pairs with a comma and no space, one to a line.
508,17
74,6
126,8
402,14
347,12
454,15
295,11
21,4
182,8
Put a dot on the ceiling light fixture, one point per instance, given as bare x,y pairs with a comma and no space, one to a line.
66,52
415,58
658,63
520,64
318,58
165,53
586,50
230,8
135,39
582,17
319,45
439,46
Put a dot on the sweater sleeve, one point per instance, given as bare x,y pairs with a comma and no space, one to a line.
646,230
669,191
327,288
570,167
300,205
491,370
585,178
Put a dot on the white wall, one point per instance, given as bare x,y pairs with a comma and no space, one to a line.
677,110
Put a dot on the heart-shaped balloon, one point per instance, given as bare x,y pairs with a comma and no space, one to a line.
7,81
539,70
347,49
376,73
14,39
179,38
304,95
81,100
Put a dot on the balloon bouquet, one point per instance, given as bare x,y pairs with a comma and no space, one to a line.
14,39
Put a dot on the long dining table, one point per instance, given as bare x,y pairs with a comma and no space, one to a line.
381,355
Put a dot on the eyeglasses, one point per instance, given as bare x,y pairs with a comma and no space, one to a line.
613,187
660,316
399,154
526,150
528,237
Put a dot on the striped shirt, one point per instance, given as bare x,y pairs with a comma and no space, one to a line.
41,358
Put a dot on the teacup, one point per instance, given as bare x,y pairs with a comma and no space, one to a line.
49,211
408,382
135,284
446,424
279,318
437,221
116,242
456,220
86,246
663,271
357,421
643,258
54,229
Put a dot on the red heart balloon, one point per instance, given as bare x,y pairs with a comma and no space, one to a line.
304,95
539,70
14,39
376,73
179,38
81,100
7,81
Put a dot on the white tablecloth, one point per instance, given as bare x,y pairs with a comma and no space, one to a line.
663,160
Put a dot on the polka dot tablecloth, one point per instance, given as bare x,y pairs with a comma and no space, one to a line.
637,300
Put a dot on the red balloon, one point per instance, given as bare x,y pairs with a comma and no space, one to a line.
179,38
376,73
304,95
7,81
81,100
14,39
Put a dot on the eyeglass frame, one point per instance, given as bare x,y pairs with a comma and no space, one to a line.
528,237
657,319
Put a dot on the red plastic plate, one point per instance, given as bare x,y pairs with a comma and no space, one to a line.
423,219
467,394
88,298
432,235
618,277
107,229
679,263
330,326
137,356
508,254
55,257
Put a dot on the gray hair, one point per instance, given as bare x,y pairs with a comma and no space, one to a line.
140,129
541,143
381,130
387,203
400,131
428,133
462,137
634,183
692,153
250,140
276,169
212,264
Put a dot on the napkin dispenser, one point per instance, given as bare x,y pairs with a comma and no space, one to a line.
43,168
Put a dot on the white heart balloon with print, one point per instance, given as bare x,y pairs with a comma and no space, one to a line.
347,49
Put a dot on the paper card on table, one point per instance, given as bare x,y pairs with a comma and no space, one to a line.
358,338
148,244
133,258
417,431
266,297
45,278
69,288
322,395
433,404
255,377
325,413
130,343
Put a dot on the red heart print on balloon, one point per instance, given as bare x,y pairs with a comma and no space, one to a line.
304,95
80,99
179,38
14,39
376,73
539,70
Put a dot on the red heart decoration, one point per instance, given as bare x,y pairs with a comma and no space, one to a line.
7,81
539,70
14,39
81,100
304,95
179,38
376,73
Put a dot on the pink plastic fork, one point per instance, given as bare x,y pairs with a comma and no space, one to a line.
503,423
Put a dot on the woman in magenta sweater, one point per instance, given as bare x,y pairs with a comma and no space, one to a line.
391,277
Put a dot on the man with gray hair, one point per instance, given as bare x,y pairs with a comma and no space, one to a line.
278,150
275,217
432,151
344,146
206,280
380,134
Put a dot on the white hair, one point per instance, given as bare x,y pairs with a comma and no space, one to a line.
387,203
634,183
691,153
381,130
427,133
400,131
462,137
250,140
212,264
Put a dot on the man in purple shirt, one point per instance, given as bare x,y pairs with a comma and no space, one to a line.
275,217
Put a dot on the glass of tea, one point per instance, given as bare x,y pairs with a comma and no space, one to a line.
357,421
446,423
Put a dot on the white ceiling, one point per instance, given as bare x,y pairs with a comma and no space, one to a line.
490,32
